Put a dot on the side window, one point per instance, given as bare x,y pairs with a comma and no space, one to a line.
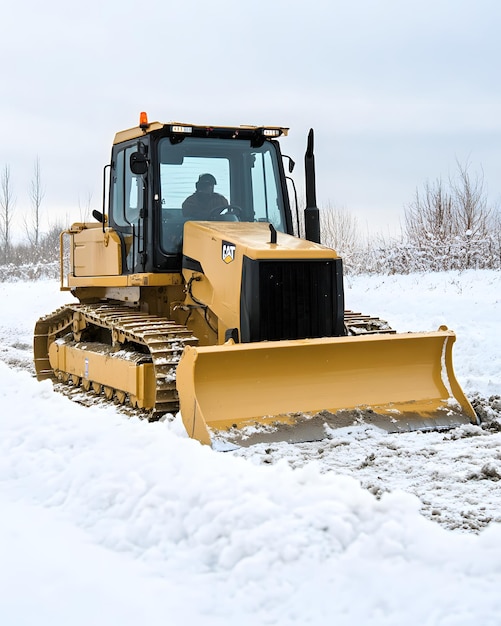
266,201
128,190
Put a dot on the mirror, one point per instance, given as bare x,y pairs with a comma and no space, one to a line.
292,164
97,215
138,163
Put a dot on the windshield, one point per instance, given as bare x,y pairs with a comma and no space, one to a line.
217,179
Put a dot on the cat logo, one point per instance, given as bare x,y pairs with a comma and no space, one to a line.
228,252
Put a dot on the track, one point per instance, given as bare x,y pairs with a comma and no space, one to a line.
360,324
122,333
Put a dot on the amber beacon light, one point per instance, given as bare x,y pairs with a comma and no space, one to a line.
143,120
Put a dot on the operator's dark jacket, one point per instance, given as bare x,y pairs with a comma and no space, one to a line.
199,205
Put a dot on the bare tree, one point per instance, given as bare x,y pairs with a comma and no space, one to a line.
472,215
459,210
84,208
451,226
6,211
430,215
36,193
49,243
340,230
496,234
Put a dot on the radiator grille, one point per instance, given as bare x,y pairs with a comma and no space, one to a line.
291,299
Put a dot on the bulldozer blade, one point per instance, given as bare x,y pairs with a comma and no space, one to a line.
295,390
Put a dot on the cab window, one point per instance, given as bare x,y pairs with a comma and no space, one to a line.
247,176
128,190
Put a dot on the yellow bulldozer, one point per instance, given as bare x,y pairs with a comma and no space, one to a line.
209,302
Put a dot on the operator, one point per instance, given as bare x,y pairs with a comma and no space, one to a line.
199,205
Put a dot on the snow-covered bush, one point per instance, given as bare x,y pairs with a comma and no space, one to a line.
29,271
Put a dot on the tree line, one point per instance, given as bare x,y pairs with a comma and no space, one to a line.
448,225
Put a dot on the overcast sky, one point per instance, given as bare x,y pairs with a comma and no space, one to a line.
396,91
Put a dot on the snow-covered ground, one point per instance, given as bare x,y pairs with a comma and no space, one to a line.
111,520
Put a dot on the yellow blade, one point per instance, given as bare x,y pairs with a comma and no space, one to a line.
399,382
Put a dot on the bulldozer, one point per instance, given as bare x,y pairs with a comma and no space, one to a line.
213,304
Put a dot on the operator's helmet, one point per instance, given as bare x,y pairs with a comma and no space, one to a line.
206,179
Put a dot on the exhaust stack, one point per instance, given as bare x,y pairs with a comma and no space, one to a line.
311,213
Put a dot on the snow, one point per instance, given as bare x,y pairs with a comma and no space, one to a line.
112,520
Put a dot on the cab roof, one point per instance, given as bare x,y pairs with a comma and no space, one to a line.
182,129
